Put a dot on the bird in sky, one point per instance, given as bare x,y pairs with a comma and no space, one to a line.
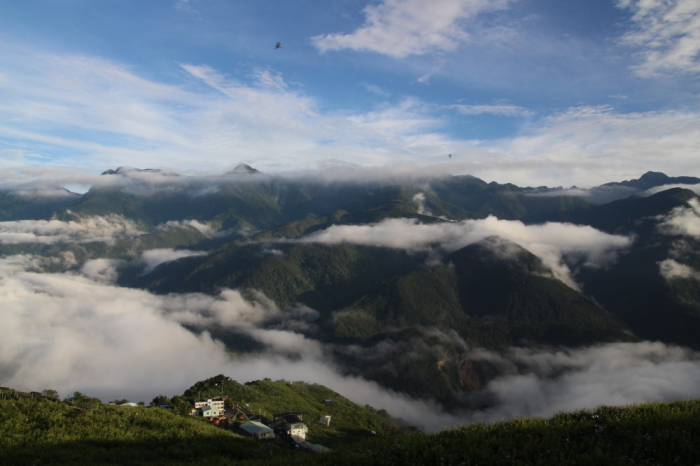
450,156
279,45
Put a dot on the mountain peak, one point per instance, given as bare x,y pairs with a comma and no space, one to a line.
654,177
243,169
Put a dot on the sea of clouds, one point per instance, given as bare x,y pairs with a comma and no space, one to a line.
71,332
78,330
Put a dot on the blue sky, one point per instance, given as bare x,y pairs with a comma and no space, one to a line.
532,92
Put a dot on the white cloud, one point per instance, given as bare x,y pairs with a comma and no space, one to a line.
551,241
186,6
399,28
683,220
102,270
107,116
154,257
543,383
80,230
203,228
669,33
69,332
267,78
505,110
419,200
658,189
671,269
374,89
586,146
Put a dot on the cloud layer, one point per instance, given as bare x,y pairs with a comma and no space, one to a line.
92,114
70,332
552,242
542,383
80,230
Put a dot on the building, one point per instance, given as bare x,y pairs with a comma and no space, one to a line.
290,424
210,411
257,430
211,407
213,402
325,420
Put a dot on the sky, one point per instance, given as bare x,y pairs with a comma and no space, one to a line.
532,92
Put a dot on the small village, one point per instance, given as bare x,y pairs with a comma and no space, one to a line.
296,416
288,426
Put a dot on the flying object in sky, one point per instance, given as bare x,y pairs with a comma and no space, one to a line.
450,156
279,45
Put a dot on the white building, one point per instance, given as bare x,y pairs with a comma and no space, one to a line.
211,407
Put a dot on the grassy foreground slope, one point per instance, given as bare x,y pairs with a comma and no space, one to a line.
34,432
46,432
650,434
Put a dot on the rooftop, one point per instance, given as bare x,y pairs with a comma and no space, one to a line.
254,427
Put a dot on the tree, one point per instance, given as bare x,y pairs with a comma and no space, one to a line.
120,402
83,401
49,393
160,400
182,405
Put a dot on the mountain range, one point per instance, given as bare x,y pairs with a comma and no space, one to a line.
401,278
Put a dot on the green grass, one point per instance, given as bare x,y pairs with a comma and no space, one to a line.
647,434
40,431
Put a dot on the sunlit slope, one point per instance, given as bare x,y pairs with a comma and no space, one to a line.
323,277
49,432
350,422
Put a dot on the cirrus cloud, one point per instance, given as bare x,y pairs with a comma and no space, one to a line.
668,32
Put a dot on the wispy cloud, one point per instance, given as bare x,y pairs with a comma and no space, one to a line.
186,6
81,230
506,110
95,114
399,28
374,89
668,31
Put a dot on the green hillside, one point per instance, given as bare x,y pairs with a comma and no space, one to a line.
47,432
349,421
42,431
484,298
323,277
483,286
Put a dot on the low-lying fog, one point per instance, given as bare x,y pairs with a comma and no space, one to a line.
76,331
